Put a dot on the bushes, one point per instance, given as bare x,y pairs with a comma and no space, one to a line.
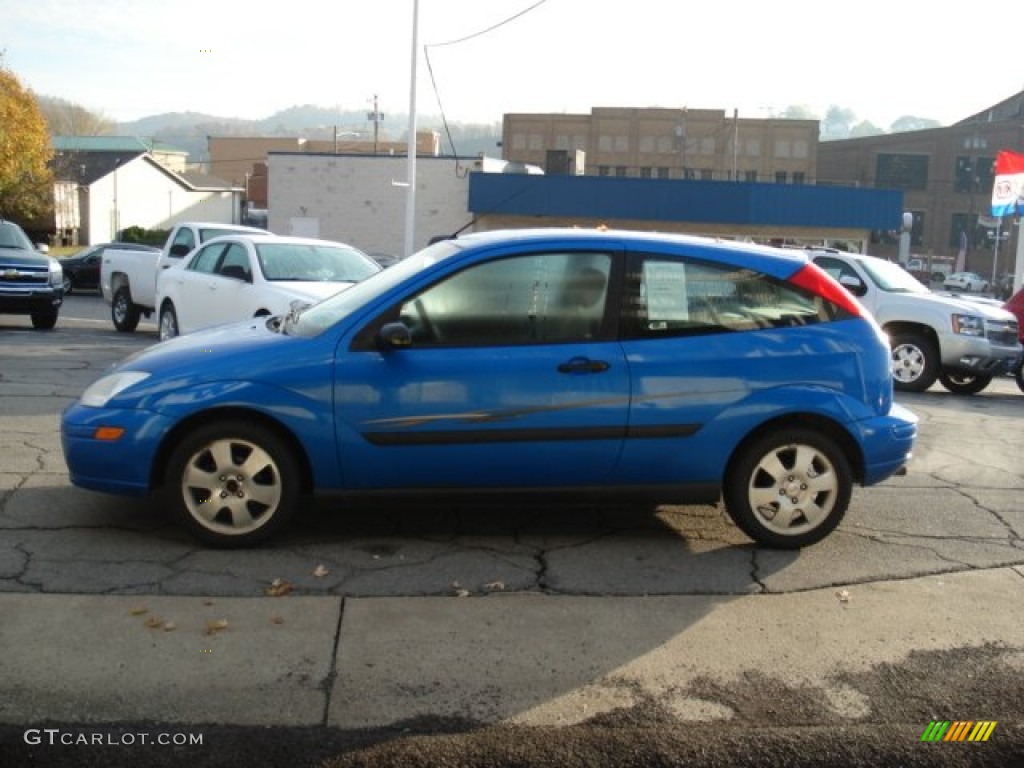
145,236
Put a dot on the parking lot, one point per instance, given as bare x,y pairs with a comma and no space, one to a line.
954,521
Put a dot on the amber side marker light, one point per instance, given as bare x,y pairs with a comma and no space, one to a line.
108,433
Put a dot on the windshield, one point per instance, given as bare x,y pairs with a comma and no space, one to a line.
314,263
892,277
12,236
322,316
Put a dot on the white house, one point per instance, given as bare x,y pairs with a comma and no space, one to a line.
127,182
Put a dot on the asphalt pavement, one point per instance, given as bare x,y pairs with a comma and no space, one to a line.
155,644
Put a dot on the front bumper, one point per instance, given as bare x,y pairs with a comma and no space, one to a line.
27,302
123,466
979,356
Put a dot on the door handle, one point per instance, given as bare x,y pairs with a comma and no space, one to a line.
583,365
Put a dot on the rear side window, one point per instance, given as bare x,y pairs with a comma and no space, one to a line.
677,297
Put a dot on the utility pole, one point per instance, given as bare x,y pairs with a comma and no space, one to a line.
410,193
375,117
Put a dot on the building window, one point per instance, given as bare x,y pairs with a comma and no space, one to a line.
518,141
800,149
620,170
706,146
622,143
780,177
562,142
901,171
536,141
604,143
663,173
647,144
753,147
603,170
645,173
974,174
782,149
799,177
750,176
706,174
665,145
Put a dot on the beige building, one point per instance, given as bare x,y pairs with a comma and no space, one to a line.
238,159
695,144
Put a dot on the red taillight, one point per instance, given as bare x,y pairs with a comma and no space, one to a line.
813,278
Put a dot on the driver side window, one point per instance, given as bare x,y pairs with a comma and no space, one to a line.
532,299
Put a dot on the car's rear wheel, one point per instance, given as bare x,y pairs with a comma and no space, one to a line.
168,322
232,484
963,383
789,489
69,284
44,321
124,314
915,362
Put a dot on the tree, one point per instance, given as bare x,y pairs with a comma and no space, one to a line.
911,123
837,123
26,185
64,118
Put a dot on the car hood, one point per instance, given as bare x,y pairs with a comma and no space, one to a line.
17,257
977,305
312,291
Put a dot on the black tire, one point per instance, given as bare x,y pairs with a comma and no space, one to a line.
168,326
788,489
124,314
1019,376
44,321
915,362
963,383
232,484
69,284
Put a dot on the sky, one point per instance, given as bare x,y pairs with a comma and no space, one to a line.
128,59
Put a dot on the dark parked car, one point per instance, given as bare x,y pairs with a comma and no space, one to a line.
82,271
30,282
588,363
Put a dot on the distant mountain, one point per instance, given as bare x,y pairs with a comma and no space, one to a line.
188,131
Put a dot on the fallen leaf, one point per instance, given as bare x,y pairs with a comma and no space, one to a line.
278,588
320,571
138,610
843,595
213,627
207,602
495,586
170,626
153,622
462,593
277,620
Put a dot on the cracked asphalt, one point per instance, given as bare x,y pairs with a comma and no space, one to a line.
957,511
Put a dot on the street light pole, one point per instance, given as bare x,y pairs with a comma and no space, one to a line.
410,195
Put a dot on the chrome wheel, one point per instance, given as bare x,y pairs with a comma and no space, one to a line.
233,483
793,489
168,323
789,489
914,363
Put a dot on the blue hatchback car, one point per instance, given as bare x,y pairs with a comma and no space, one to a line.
677,369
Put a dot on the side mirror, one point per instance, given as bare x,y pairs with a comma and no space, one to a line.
853,284
42,247
178,250
394,336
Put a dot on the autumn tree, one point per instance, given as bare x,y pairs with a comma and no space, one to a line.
64,118
26,184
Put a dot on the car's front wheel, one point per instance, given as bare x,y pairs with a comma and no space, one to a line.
168,322
232,483
788,489
915,362
123,312
44,321
963,383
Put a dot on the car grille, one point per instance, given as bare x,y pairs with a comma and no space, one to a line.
1002,333
21,275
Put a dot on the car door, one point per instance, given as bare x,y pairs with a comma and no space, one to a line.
189,287
512,377
230,288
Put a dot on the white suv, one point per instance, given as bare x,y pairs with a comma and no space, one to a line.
961,343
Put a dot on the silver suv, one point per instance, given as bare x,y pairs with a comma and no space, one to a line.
31,283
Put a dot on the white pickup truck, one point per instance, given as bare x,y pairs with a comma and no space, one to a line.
128,278
960,342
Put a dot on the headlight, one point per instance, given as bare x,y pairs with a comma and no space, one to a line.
968,325
56,273
99,393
